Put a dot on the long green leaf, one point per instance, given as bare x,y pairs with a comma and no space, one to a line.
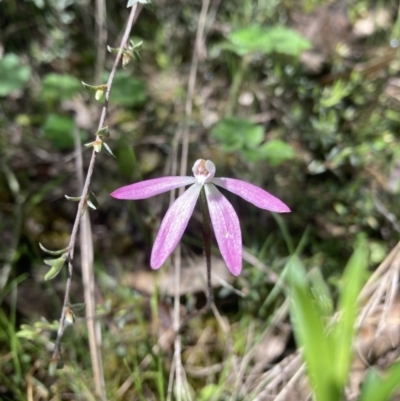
310,334
343,332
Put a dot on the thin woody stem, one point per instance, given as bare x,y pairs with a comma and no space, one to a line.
72,241
184,135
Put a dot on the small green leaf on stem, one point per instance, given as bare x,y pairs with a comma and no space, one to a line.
55,253
56,266
134,49
95,88
108,150
73,198
131,52
99,89
135,46
92,201
114,50
103,132
90,204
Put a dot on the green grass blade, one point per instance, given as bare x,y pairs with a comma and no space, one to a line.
285,232
160,379
378,388
343,332
278,286
310,334
321,293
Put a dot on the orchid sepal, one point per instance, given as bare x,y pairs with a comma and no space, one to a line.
147,189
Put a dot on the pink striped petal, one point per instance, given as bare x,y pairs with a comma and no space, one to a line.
253,194
173,226
226,228
149,188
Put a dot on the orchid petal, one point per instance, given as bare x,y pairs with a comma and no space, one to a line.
253,194
226,228
149,188
173,226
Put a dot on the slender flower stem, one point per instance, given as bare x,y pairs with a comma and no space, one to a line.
184,159
72,241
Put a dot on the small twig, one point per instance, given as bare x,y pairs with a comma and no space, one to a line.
185,151
374,289
283,394
71,245
184,135
86,244
101,36
285,369
192,82
170,381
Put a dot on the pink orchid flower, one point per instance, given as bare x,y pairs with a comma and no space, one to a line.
223,217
